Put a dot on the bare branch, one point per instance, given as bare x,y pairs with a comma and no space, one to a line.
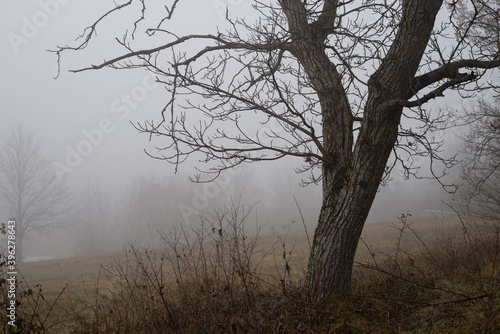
460,78
451,71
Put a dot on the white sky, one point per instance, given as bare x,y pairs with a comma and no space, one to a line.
59,110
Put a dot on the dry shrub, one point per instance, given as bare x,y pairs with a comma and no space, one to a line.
448,285
216,278
34,313
206,279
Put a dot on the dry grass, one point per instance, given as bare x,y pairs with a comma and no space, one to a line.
426,276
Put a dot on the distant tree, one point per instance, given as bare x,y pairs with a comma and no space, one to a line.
35,198
339,85
151,203
480,192
92,216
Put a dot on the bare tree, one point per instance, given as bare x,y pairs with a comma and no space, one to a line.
480,193
339,85
146,207
93,215
35,197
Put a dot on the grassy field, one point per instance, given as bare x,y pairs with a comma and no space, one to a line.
379,237
434,275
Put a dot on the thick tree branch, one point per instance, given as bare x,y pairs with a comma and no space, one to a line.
451,71
296,14
460,79
325,24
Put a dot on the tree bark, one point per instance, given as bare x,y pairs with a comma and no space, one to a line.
352,174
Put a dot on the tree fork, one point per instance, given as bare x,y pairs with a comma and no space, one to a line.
349,189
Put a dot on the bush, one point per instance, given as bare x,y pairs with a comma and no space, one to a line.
218,278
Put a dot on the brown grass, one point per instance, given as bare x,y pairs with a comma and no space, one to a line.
411,276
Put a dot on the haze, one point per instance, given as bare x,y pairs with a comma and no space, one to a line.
98,106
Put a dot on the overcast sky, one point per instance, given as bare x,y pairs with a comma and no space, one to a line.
64,112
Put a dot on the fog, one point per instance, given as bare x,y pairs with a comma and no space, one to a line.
119,194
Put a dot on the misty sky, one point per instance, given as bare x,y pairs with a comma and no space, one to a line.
59,111
62,112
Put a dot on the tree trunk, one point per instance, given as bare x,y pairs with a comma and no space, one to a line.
348,193
351,175
19,250
19,247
